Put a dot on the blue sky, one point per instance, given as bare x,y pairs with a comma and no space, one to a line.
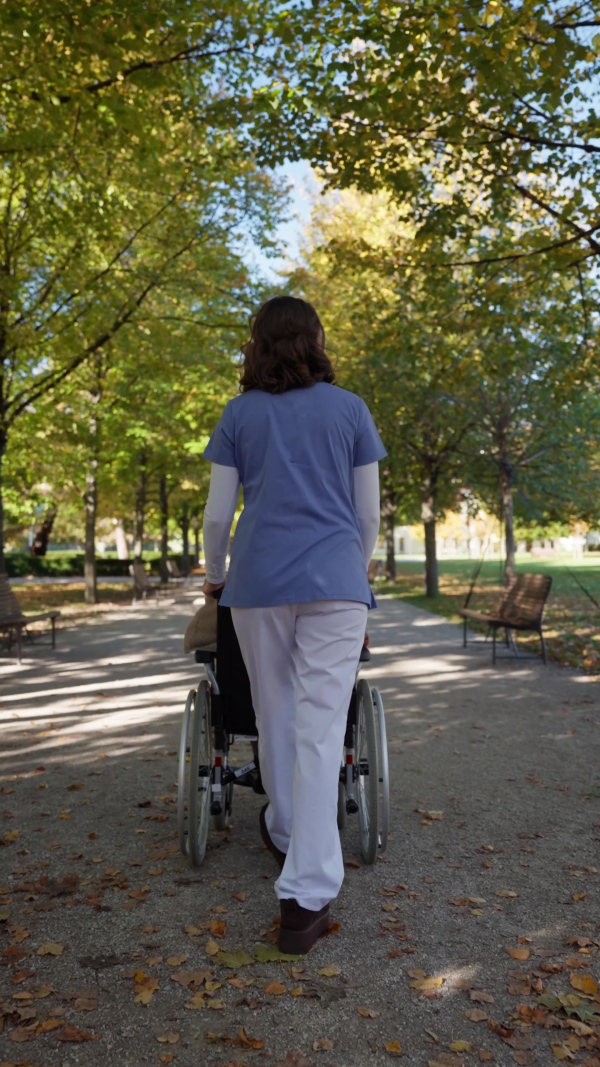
304,190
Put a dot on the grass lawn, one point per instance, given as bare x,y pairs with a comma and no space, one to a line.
571,621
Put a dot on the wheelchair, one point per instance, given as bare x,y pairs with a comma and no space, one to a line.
219,712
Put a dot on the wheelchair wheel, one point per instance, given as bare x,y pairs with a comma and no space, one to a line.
342,815
384,774
367,768
221,822
183,782
200,775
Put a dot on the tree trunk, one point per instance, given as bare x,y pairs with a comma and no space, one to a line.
140,508
163,495
184,522
39,545
90,499
388,513
428,518
196,529
508,518
2,454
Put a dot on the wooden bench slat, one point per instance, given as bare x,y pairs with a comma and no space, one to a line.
519,607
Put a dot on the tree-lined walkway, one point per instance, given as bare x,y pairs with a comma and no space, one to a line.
111,941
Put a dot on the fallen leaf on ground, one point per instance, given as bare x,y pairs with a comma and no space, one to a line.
218,928
50,1024
168,1038
446,1059
480,997
562,1052
249,1042
50,949
322,1045
211,947
462,1046
330,971
237,959
368,1013
275,989
145,989
176,961
72,1033
271,954
393,1048
584,983
518,953
427,983
239,896
476,1015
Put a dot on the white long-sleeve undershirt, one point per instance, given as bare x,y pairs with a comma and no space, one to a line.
222,501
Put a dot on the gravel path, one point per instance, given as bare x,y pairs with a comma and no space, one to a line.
494,846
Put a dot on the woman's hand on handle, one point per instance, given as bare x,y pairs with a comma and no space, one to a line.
208,588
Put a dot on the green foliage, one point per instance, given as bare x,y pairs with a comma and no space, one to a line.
463,110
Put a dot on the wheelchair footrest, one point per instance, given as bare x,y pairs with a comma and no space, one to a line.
351,806
216,807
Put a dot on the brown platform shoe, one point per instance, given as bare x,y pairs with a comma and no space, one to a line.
300,928
264,833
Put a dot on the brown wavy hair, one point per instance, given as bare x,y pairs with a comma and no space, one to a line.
286,349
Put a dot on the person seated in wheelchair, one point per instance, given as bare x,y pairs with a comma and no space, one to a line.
306,453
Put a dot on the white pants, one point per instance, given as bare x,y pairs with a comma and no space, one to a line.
302,660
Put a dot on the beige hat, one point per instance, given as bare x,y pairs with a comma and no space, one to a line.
201,631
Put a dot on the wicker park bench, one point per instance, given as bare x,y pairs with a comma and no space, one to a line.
13,623
520,607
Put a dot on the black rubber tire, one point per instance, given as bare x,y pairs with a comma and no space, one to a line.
201,758
367,785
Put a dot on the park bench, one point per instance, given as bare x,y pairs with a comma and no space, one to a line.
175,574
520,607
142,582
13,623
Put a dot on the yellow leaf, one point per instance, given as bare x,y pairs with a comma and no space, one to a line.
368,1013
275,989
50,949
427,983
394,1048
197,1001
518,953
584,983
211,947
330,971
168,1038
216,1005
562,1053
461,1046
211,987
323,1044
50,1024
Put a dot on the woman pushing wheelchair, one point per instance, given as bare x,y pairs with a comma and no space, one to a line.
306,453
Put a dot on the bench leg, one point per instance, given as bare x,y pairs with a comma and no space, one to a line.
464,633
53,621
545,658
494,632
19,643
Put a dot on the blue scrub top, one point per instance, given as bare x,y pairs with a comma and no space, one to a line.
297,539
